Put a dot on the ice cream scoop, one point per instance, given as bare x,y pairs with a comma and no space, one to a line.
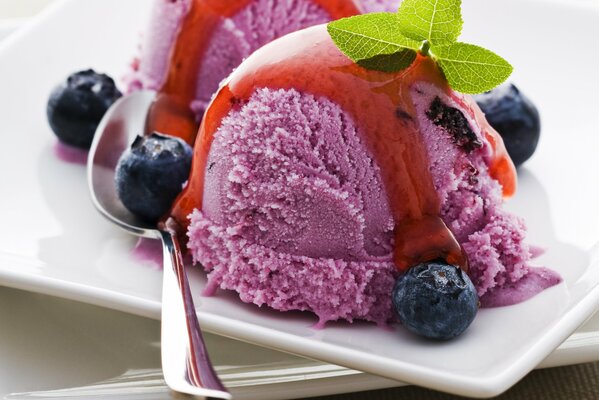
315,182
190,46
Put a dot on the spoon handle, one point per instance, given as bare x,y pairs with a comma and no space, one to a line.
185,362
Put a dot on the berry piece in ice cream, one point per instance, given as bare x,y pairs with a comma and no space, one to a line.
516,119
151,174
435,300
455,124
76,106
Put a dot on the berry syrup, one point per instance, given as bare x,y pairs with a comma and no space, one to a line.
379,104
171,111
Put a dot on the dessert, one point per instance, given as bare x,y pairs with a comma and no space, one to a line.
315,181
219,35
337,171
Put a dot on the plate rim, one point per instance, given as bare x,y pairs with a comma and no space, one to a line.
485,387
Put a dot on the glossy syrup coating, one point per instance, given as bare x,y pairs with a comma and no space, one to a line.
171,112
309,62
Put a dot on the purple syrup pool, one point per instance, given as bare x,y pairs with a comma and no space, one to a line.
70,154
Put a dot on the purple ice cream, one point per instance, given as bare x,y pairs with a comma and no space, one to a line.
233,39
295,214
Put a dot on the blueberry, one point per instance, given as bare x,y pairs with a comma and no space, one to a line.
435,300
76,106
516,119
151,173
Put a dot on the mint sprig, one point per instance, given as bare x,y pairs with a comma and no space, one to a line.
389,42
370,39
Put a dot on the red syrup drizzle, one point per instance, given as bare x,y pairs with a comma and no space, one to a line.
171,111
309,62
501,167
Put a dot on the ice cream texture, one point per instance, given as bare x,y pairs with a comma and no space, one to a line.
202,41
316,182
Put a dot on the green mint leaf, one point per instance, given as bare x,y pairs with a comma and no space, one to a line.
389,62
437,21
374,41
471,69
389,42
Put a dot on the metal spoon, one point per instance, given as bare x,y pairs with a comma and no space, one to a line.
185,363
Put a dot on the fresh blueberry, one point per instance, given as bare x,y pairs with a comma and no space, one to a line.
151,174
435,300
516,119
76,106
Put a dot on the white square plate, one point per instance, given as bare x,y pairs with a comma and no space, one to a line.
54,242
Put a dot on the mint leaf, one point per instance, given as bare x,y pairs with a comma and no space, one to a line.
437,21
471,69
372,39
390,42
389,62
